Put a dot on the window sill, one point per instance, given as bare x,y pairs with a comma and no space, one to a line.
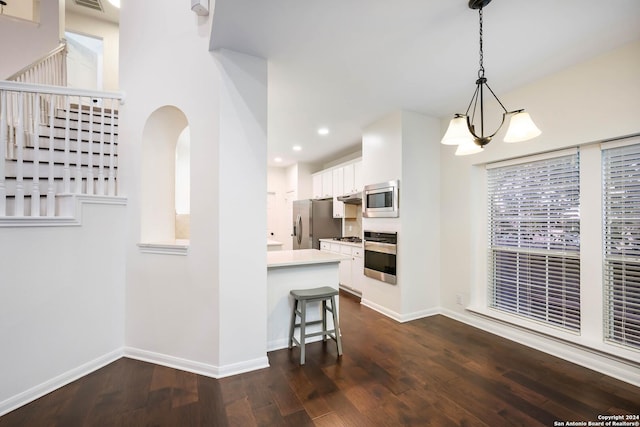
177,247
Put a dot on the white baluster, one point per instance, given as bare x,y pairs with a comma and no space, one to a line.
79,149
51,189
67,147
19,198
90,183
35,138
12,102
101,189
4,140
112,151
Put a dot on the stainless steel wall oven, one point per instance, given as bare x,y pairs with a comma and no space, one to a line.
380,251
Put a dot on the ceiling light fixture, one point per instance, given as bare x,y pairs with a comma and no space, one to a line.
116,3
462,130
296,148
323,131
277,159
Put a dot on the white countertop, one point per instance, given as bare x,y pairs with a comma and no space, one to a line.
302,257
271,242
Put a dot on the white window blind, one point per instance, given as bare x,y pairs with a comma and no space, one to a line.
534,235
621,206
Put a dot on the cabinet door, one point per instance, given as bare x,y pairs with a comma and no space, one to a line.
357,270
327,184
325,246
348,173
357,176
338,207
317,185
345,266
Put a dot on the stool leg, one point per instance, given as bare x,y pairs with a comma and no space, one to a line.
336,326
324,320
303,323
293,322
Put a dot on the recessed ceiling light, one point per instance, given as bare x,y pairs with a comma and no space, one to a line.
116,3
277,159
323,131
296,148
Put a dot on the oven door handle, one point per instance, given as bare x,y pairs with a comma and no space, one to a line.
385,248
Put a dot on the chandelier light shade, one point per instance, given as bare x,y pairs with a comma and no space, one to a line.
468,133
458,132
521,128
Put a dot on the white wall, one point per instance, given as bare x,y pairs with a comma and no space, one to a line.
419,242
110,35
206,311
36,39
61,302
404,146
382,161
593,101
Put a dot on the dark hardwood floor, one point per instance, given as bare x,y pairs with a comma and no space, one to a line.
433,371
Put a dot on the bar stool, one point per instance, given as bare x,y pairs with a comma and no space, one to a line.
301,298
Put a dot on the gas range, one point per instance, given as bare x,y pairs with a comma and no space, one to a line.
350,239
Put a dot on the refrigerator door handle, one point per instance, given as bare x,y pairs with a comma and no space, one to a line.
299,229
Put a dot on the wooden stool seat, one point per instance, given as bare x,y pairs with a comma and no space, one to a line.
301,298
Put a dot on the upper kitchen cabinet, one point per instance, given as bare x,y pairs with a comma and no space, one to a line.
317,185
323,184
352,178
338,185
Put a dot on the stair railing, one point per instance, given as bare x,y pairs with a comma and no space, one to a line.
64,134
50,70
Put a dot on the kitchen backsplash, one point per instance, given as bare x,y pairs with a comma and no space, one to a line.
353,227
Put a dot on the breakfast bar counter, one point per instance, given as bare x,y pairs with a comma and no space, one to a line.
299,269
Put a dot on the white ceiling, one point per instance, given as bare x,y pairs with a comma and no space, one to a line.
345,63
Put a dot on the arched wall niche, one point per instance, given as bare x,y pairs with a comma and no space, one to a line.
164,128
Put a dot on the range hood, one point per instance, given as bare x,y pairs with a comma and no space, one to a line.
351,199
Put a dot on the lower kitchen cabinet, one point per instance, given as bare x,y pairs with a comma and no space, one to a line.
357,269
351,272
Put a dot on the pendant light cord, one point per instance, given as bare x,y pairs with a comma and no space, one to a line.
481,70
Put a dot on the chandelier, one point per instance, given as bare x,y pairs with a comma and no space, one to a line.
462,130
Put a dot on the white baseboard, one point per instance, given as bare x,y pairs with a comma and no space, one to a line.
590,359
196,367
55,383
402,318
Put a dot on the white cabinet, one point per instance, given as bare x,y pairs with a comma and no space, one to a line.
352,178
357,176
345,266
327,184
348,172
317,185
338,183
357,269
351,271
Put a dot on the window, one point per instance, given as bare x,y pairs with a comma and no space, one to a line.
621,238
534,240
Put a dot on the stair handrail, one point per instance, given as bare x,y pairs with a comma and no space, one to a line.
24,109
57,58
58,90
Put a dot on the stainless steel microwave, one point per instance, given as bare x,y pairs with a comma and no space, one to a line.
381,200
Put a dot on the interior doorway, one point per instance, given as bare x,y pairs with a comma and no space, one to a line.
84,61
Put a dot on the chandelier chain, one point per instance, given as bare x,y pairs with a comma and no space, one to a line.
481,70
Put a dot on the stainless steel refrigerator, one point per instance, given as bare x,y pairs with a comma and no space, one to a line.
313,220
